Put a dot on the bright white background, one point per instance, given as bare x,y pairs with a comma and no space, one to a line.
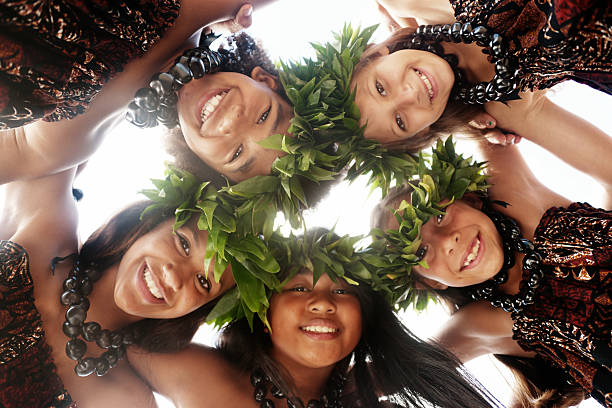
130,156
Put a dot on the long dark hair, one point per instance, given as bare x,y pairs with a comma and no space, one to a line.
454,119
388,361
107,245
537,383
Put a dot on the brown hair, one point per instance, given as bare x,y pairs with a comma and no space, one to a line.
455,117
107,245
538,384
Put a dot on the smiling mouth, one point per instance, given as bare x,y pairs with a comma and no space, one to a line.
427,83
211,105
150,284
473,253
319,329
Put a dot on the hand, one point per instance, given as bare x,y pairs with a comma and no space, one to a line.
394,23
243,19
494,135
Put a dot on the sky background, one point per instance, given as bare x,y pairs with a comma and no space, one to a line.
131,156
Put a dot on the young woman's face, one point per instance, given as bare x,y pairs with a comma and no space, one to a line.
224,115
462,248
314,327
402,93
162,274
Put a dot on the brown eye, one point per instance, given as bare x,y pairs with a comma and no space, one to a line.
264,116
237,153
399,122
421,252
205,283
380,89
439,218
184,243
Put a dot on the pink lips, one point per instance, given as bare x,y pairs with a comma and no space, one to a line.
321,335
434,86
476,260
144,290
205,98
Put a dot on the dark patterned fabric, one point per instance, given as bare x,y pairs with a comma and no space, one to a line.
554,40
569,323
55,55
27,374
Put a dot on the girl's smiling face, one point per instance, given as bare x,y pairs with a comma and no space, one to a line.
224,116
162,274
402,93
314,327
461,248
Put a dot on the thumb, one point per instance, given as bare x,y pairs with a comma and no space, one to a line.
483,121
244,17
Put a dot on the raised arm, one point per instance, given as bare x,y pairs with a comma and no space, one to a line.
195,377
569,137
423,12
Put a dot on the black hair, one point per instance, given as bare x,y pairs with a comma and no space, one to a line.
388,361
107,245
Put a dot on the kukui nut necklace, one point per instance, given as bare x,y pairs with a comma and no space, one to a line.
77,286
506,82
157,103
512,242
331,398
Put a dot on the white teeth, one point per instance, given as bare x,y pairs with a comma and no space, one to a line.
426,82
210,106
151,284
319,329
472,255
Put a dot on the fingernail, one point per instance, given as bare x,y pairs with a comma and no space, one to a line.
249,10
490,123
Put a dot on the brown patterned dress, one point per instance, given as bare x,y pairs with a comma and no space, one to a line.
28,376
569,323
554,40
55,55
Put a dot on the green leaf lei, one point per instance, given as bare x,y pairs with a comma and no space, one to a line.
442,179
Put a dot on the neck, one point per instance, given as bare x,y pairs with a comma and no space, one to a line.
309,382
103,308
471,60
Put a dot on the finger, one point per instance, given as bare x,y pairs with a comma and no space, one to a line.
483,121
244,17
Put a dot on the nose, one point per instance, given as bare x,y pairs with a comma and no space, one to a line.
450,241
172,275
321,303
230,121
405,97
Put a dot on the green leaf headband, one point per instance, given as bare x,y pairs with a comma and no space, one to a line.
446,177
326,136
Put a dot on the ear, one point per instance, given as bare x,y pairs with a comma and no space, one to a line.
261,75
426,283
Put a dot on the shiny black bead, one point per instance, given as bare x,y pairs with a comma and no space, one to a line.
276,392
416,42
70,330
420,30
256,377
116,340
259,393
528,300
92,273
197,67
496,303
498,51
481,35
128,338
104,340
70,297
102,367
135,115
181,73
526,245
85,367
290,404
147,99
456,32
91,331
437,30
503,68
538,274
445,32
170,100
491,92
162,84
501,277
83,303
532,260
71,283
496,39
533,283
267,404
183,59
111,358
75,315
466,33
85,286
314,404
75,349
428,30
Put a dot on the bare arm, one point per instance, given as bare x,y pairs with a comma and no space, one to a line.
478,329
569,137
195,377
424,12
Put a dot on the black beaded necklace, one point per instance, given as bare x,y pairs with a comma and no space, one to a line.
157,102
512,241
331,398
77,286
505,84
